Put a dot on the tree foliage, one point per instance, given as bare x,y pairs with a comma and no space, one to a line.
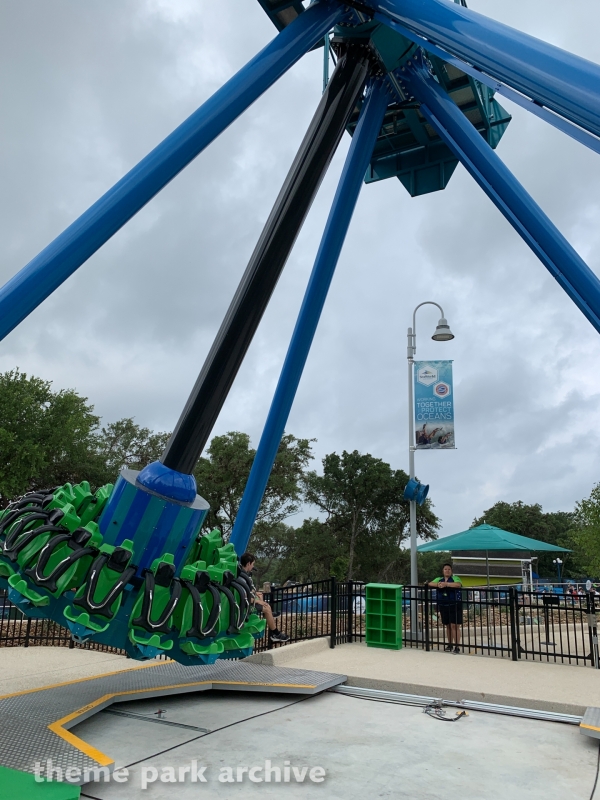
223,473
124,444
530,520
309,553
46,437
585,536
366,515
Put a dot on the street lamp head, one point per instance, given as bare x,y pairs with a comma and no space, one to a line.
442,332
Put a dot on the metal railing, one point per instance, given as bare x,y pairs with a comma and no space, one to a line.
17,630
303,611
323,609
505,622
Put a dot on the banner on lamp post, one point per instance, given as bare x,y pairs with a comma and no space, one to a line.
434,405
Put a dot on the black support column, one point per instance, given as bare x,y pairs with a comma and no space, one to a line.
267,261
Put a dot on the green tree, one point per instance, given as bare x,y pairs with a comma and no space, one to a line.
124,444
46,437
429,566
585,536
530,520
222,476
270,544
310,553
366,514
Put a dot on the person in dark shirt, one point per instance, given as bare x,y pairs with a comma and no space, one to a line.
449,602
275,635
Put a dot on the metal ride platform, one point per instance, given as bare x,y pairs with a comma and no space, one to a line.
590,724
35,723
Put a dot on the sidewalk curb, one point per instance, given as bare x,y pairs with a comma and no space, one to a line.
289,652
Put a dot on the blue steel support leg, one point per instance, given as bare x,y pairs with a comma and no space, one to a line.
501,186
565,83
332,242
45,273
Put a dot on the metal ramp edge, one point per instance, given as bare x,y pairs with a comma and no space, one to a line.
36,723
590,724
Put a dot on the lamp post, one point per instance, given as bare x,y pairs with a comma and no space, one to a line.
442,334
558,563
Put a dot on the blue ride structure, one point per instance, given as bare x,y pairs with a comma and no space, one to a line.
415,84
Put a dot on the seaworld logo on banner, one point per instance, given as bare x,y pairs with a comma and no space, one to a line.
434,405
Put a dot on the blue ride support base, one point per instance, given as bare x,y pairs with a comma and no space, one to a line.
334,235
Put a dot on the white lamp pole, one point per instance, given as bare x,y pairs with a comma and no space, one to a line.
442,334
558,562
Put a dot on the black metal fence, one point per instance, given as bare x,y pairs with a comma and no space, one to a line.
17,630
505,622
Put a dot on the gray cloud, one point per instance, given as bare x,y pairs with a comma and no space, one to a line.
90,87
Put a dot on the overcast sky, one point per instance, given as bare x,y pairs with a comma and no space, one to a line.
89,87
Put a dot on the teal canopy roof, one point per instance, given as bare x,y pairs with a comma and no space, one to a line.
488,537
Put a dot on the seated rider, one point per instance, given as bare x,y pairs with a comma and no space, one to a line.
275,635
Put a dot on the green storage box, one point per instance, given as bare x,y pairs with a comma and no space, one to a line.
383,625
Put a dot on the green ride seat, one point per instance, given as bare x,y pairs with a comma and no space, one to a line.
82,494
229,609
243,641
27,528
151,623
241,590
254,624
25,538
25,593
21,516
65,560
198,613
227,557
98,600
31,503
95,506
208,547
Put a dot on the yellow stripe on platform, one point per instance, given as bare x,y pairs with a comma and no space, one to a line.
89,750
589,727
59,729
263,683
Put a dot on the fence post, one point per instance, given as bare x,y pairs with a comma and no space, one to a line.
333,613
514,621
593,629
426,615
272,604
350,617
27,630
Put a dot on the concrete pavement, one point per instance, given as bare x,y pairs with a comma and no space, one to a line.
23,668
549,687
364,750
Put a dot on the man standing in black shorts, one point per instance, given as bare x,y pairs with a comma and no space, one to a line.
449,602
